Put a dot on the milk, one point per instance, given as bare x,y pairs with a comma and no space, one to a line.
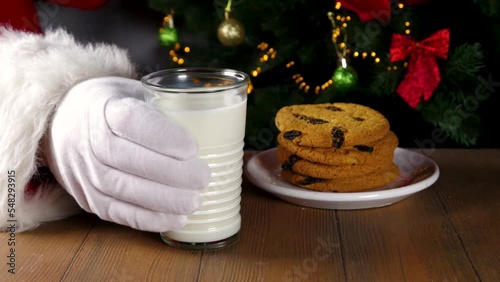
211,104
220,134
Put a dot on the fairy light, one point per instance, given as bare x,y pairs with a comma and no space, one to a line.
176,52
407,30
340,48
364,55
373,55
175,55
250,87
302,83
269,53
339,39
407,26
344,23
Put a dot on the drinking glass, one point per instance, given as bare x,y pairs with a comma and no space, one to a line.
211,104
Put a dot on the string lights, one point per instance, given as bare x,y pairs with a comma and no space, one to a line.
267,54
338,30
407,25
168,37
344,76
340,50
175,53
356,54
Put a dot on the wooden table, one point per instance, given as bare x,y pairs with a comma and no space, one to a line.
448,232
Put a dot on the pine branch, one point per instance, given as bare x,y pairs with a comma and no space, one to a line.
448,109
326,96
386,81
451,116
490,8
364,36
263,104
463,64
158,5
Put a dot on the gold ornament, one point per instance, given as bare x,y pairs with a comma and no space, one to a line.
230,32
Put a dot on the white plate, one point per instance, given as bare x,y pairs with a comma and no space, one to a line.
417,172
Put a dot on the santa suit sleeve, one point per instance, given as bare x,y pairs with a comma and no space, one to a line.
35,72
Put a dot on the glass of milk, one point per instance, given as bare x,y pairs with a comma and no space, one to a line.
211,104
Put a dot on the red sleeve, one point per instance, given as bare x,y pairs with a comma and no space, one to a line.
21,15
38,181
82,4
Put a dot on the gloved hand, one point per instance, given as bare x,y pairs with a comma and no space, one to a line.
122,160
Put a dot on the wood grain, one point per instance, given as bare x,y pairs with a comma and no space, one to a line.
118,253
278,242
470,193
406,241
46,252
448,232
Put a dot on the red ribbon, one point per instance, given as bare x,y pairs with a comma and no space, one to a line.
423,76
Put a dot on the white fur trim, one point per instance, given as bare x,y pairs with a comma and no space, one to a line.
35,72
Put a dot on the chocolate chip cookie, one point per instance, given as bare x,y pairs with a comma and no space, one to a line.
334,125
301,166
373,181
368,153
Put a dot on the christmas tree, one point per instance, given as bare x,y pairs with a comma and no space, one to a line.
405,58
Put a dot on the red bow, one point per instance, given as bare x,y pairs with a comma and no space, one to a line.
423,75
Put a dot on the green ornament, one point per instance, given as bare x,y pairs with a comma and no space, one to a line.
168,36
345,78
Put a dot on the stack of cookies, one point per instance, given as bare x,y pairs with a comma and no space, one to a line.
339,147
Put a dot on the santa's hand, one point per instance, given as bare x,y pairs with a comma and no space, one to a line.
122,160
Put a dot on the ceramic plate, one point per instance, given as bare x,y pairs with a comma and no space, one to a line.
417,172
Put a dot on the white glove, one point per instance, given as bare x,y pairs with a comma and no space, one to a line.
122,160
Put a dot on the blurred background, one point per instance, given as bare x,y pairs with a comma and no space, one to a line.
294,52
